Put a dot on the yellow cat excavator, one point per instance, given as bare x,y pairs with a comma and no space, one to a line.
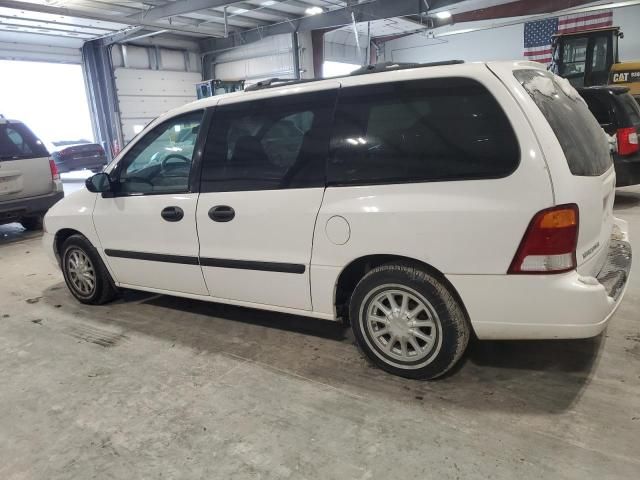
590,57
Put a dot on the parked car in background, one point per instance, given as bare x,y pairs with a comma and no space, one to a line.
29,180
419,203
619,115
88,156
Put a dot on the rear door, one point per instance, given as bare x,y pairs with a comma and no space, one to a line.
263,179
585,175
24,163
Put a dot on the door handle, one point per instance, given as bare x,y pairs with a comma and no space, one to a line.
172,214
222,213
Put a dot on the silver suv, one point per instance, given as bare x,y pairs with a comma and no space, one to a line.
29,180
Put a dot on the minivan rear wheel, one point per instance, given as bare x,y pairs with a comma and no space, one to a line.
84,272
407,322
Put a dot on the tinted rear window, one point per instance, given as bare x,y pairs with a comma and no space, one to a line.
631,108
17,142
601,107
419,131
582,139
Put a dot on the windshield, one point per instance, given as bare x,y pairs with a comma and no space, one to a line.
17,142
582,139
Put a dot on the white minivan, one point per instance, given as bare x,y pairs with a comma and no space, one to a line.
418,203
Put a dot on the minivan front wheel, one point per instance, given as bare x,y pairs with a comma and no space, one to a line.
84,272
407,322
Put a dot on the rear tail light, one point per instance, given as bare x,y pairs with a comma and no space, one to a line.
54,170
627,141
549,244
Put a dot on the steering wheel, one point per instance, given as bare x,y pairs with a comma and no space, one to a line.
174,156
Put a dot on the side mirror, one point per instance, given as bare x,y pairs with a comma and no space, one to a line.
98,183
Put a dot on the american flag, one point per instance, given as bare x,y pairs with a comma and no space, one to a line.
537,35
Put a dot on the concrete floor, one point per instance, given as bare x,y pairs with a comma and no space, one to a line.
160,387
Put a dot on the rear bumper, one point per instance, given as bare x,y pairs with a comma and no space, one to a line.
570,305
13,210
627,170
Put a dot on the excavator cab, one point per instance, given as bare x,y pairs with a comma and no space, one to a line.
585,58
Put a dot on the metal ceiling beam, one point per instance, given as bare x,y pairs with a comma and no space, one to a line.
180,7
362,12
69,12
250,8
517,8
122,35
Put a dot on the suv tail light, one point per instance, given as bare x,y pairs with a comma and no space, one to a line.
627,141
549,244
54,170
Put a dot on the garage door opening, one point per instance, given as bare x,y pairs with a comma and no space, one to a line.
335,69
50,98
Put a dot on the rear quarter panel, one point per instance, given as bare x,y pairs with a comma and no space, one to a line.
458,227
594,195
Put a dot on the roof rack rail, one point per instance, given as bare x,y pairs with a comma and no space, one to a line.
276,82
392,66
377,68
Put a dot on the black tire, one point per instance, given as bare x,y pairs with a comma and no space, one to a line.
103,289
32,223
439,345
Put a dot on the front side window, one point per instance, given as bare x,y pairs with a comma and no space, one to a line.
420,131
270,144
160,162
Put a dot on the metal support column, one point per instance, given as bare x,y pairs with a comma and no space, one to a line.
102,97
295,50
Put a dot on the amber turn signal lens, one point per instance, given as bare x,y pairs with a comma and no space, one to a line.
559,218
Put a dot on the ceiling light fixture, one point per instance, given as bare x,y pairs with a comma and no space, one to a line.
445,15
313,10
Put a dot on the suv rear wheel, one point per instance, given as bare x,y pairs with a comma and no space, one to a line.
407,322
84,273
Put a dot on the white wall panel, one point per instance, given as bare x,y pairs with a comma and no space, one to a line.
341,46
503,43
39,48
271,57
628,19
172,59
145,94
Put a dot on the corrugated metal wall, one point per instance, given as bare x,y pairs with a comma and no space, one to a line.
340,46
149,81
271,57
32,48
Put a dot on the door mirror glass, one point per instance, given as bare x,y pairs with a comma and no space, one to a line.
98,183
